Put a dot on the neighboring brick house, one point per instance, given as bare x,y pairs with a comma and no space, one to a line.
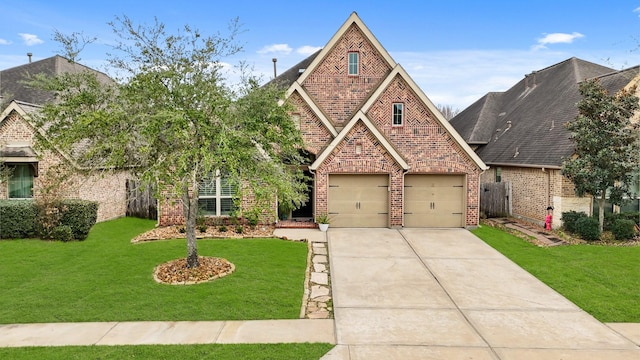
520,134
382,154
32,169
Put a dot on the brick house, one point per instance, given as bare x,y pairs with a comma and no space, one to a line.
520,134
382,155
31,169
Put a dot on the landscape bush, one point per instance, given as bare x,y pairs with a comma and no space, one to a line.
28,219
570,218
17,219
80,216
588,228
62,233
623,229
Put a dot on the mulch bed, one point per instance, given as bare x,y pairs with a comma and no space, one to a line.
176,272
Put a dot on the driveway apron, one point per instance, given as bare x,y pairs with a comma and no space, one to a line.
445,294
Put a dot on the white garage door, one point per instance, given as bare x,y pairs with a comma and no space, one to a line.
434,201
359,200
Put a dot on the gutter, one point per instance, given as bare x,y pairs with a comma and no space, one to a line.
535,166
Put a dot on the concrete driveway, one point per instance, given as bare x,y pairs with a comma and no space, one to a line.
445,294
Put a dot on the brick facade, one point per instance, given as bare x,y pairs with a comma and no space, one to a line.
333,89
534,189
108,189
422,141
326,92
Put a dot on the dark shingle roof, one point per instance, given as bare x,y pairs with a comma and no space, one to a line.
292,74
11,80
525,124
617,80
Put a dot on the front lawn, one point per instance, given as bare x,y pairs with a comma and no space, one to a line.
183,352
106,278
602,280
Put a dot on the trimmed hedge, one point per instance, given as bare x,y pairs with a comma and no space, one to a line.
623,229
80,216
570,218
17,219
588,228
610,219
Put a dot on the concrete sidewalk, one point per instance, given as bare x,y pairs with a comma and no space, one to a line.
167,333
445,294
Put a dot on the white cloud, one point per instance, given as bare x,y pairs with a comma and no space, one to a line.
557,38
4,42
637,10
276,48
30,39
308,50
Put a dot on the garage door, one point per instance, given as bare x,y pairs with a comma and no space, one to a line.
359,200
434,201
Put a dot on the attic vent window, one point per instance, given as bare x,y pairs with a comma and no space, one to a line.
354,63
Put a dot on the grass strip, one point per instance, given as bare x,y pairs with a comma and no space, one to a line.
602,280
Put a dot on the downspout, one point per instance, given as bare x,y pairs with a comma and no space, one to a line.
403,198
314,193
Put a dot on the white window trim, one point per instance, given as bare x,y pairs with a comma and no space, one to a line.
218,196
393,114
357,64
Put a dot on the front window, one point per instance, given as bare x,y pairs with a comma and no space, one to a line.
216,196
398,114
354,63
20,181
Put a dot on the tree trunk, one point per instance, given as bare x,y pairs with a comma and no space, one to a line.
190,210
601,201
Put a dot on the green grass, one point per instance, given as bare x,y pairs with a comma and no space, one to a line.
106,278
602,280
183,352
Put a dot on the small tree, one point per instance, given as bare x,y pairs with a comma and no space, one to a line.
174,120
607,145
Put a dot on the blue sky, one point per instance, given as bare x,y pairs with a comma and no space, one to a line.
455,50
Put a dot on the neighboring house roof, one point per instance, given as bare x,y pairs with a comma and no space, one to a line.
524,126
288,77
12,85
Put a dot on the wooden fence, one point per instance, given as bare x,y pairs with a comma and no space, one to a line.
495,199
140,201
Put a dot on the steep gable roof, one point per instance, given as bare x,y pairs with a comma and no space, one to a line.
353,19
398,70
360,116
524,126
295,87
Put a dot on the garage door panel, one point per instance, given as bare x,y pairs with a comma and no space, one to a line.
434,201
359,200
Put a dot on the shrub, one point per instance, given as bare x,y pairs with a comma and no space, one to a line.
239,229
202,228
222,228
570,218
17,219
80,216
623,229
63,233
588,228
633,216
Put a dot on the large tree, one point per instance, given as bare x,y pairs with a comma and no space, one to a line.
607,144
175,120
